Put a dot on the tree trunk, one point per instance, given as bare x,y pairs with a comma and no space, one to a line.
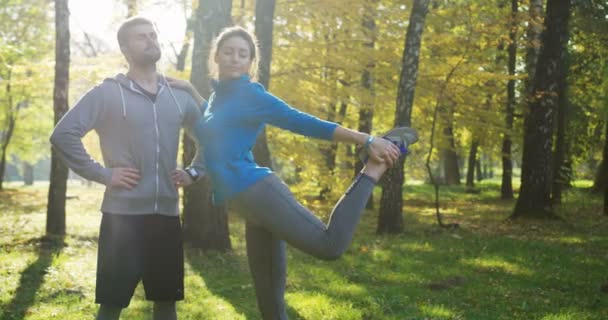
451,171
533,34
478,172
264,16
366,111
535,195
55,215
506,187
561,164
28,174
471,164
205,225
2,165
131,8
180,64
6,136
391,203
605,172
600,182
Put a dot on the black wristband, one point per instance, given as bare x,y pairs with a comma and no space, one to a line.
192,173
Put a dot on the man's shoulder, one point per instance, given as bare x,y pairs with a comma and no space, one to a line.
102,86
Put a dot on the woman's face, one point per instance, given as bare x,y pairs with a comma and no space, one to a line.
233,58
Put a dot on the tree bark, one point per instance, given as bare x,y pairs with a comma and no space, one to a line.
478,173
264,17
561,164
533,34
28,174
55,215
605,172
366,111
471,164
506,187
7,134
535,195
131,8
205,225
391,203
449,157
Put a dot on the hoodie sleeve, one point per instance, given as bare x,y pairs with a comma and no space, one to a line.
192,118
278,113
66,138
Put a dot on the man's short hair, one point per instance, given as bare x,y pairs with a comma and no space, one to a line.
123,30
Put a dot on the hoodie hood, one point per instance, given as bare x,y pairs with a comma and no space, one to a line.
125,83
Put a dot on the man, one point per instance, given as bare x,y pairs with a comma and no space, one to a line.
138,118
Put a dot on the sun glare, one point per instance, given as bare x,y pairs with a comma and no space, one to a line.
100,20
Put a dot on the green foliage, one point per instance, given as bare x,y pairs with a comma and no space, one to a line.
25,76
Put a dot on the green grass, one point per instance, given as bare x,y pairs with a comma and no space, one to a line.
491,268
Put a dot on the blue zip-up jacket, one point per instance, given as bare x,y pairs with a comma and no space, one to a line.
236,113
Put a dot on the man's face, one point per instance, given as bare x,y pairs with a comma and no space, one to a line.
142,47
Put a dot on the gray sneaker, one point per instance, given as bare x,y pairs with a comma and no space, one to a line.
402,137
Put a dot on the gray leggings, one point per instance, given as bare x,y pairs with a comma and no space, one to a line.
273,216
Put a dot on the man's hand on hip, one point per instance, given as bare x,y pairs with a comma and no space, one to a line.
126,178
181,178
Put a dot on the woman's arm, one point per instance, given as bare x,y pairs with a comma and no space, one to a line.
188,87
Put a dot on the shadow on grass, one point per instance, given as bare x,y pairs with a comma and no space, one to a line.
32,278
226,275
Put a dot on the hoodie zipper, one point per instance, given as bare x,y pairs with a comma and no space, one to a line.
157,156
157,136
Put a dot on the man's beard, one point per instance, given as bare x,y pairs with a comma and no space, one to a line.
150,56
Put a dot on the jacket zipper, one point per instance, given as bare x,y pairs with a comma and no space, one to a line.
157,133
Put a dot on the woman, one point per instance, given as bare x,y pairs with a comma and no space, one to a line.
234,116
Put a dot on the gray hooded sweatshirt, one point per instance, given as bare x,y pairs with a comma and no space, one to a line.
134,132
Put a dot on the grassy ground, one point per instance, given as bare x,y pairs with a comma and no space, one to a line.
490,268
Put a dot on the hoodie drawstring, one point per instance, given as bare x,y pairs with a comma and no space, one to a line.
122,98
124,104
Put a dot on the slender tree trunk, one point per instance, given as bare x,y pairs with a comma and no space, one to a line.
471,163
535,195
601,177
606,201
264,23
533,35
605,157
28,174
264,17
205,225
55,215
478,172
451,170
506,188
131,8
391,203
366,111
561,164
8,134
180,64
2,165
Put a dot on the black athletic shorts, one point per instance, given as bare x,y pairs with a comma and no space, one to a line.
139,247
